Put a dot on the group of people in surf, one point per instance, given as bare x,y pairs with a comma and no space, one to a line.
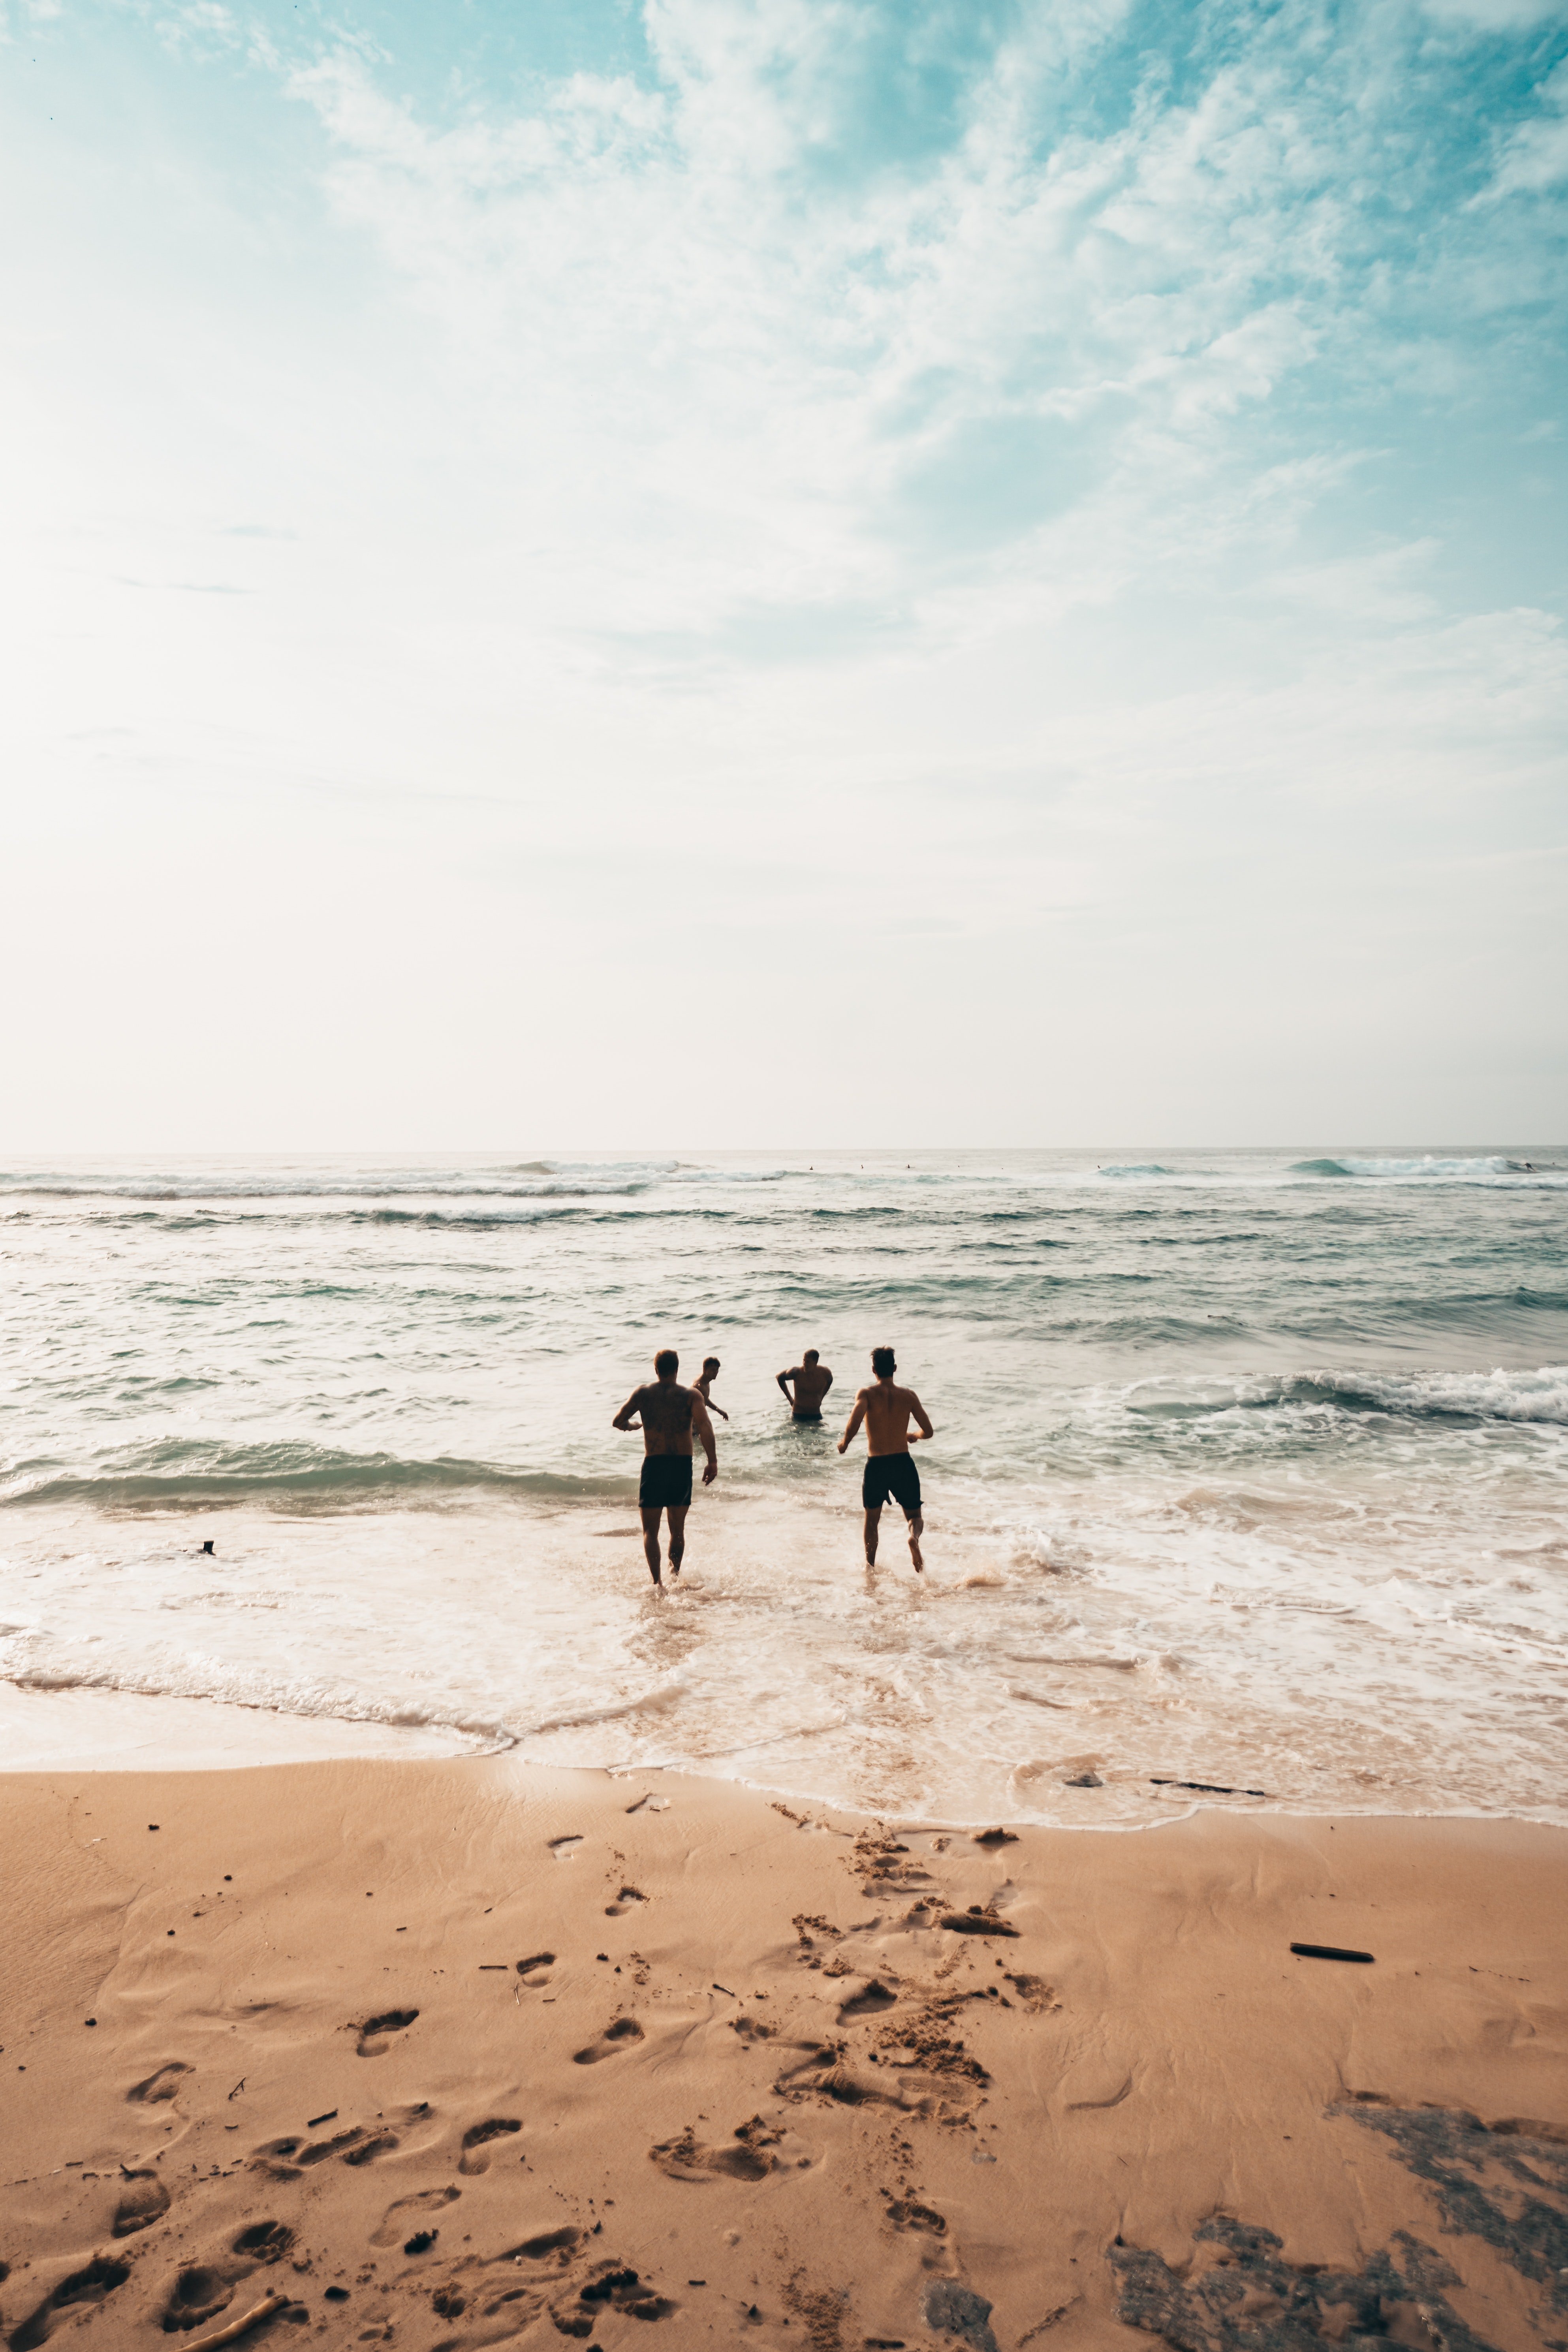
672,1416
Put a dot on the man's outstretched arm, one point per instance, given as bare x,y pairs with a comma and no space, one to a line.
623,1420
704,1428
853,1424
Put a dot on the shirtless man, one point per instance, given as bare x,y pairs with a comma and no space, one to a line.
812,1382
890,1466
668,1415
705,1381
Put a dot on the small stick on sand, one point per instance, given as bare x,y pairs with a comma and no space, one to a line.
237,2327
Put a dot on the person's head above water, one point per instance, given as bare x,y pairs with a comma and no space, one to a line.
710,1364
810,1356
667,1363
882,1363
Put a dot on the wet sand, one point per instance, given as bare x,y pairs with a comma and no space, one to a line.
367,2047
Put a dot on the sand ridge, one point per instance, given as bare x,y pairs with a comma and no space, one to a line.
461,2052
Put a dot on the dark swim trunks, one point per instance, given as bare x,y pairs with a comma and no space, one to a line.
894,1475
665,1482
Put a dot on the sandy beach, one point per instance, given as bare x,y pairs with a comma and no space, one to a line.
461,2052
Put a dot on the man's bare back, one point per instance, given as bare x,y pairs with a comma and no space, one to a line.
890,1474
670,1415
887,1412
812,1382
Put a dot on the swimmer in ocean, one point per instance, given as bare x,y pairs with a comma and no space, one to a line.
887,1412
704,1381
668,1415
812,1382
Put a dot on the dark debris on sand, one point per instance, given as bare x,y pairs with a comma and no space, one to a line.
1253,2300
1453,2149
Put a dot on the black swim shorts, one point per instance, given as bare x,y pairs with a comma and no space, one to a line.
894,1475
666,1481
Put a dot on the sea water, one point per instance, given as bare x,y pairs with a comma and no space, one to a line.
1250,1469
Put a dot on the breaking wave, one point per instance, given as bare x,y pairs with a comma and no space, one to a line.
173,1474
1428,1166
1539,1396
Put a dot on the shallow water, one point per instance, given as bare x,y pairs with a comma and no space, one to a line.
1250,1469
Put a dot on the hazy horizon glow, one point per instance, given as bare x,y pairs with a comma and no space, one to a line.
739,568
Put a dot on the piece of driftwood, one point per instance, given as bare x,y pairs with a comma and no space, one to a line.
1204,1787
237,2327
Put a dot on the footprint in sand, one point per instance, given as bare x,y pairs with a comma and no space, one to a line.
143,2200
394,2221
199,2294
539,2249
548,2243
868,2001
821,2076
905,2215
535,1969
473,2157
284,2159
372,2033
265,2242
613,2288
746,2157
88,2286
628,1895
620,2035
161,2085
378,2144
975,1921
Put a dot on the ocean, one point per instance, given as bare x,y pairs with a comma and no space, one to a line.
1250,1469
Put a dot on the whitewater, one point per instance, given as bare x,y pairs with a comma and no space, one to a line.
1250,1468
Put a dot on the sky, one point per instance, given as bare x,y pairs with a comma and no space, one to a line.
747,573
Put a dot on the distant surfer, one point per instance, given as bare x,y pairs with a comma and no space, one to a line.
812,1382
705,1381
668,1415
887,1412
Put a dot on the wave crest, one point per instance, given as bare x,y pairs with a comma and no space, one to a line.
173,1475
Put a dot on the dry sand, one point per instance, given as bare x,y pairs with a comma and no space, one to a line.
366,2045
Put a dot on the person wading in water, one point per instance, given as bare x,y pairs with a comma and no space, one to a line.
668,1415
812,1382
887,1412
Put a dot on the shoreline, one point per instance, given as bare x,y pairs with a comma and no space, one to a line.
812,2078
89,1729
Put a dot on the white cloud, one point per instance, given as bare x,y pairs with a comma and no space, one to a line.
1534,157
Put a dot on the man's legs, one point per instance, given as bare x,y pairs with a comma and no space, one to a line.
650,1538
873,1522
917,1529
676,1536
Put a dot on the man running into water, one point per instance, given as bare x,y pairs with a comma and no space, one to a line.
812,1382
705,1381
890,1467
668,1415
